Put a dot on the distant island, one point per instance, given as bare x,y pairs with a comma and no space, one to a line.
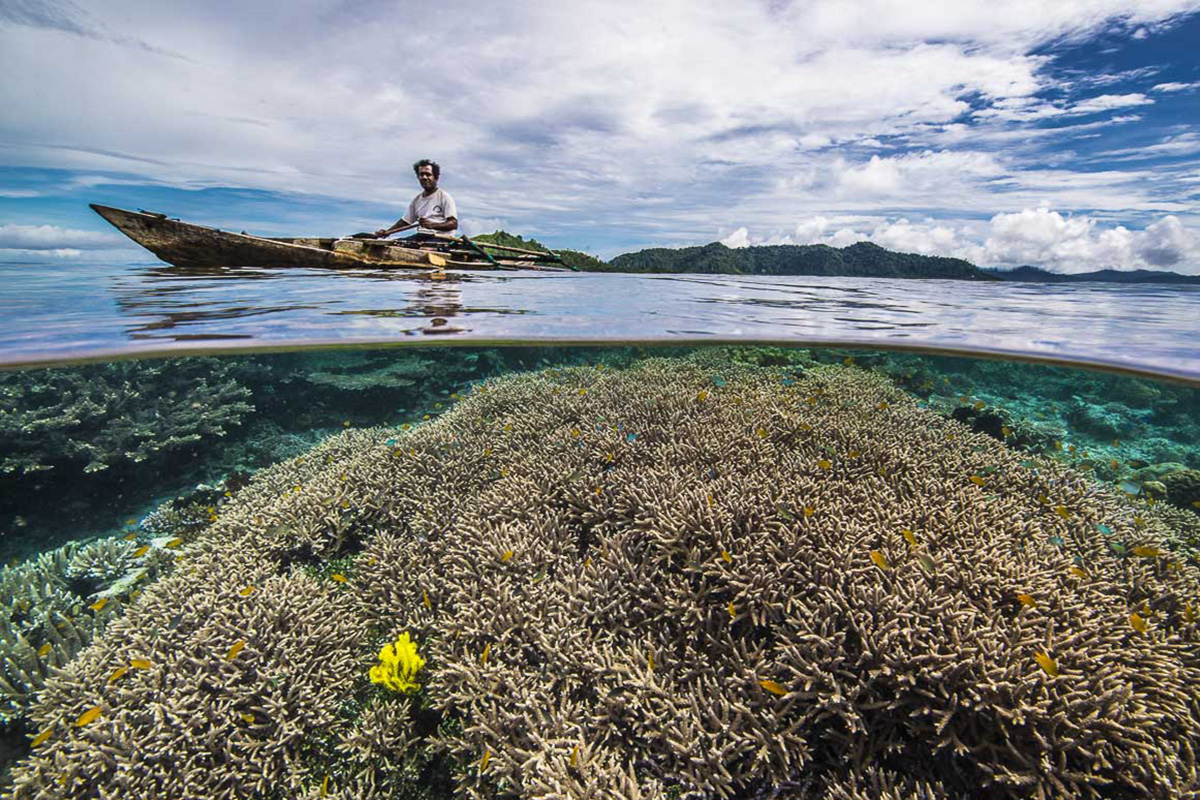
861,260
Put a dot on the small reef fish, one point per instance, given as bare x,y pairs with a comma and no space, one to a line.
487,648
425,599
1048,664
235,649
909,536
733,611
762,433
1114,464
702,395
246,592
141,551
1189,613
41,737
339,577
1005,430
99,604
1129,487
1027,601
324,783
249,718
129,537
880,560
825,463
978,480
88,716
117,673
483,762
650,660
853,454
140,663
809,511
1078,572
773,687
582,392
44,650
507,555
925,562
574,762
728,559
1147,552
1062,512
1136,621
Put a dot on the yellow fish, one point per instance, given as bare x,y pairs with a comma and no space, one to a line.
728,559
1078,572
117,673
854,454
762,433
44,650
249,590
425,599
248,719
41,737
1189,613
825,463
1027,600
1005,430
1043,499
582,392
487,648
978,481
1137,622
574,756
99,604
1147,552
980,405
130,537
1114,464
809,511
804,426
883,406
1062,512
909,536
733,611
710,501
650,660
1139,522
487,754
880,560
339,577
507,555
88,716
325,787
141,551
702,395
773,687
235,649
140,663
1048,664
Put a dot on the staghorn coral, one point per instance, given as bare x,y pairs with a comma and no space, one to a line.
90,418
644,583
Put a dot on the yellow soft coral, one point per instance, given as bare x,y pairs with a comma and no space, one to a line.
398,666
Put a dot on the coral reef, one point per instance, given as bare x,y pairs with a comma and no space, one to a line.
677,578
93,417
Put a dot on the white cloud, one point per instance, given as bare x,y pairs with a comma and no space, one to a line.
1036,236
1175,87
737,239
51,237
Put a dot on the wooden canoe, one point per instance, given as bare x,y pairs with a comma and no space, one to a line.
186,245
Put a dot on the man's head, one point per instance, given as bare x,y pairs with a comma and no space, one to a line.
428,173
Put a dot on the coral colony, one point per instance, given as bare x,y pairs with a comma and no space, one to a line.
680,579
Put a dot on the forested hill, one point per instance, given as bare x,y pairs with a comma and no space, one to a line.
862,260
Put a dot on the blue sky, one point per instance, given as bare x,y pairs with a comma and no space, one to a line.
1062,134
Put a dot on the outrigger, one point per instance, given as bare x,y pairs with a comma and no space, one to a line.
183,244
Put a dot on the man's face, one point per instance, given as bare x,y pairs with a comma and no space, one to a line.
425,176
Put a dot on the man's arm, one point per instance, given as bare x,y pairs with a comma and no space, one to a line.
448,225
401,225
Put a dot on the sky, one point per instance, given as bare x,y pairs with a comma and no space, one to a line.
1007,132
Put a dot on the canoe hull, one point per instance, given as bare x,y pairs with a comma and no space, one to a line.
186,245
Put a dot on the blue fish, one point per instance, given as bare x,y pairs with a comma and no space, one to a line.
718,381
1057,541
1107,531
631,437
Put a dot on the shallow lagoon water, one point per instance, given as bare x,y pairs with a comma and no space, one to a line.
105,458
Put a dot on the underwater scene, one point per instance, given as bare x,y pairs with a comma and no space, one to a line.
598,572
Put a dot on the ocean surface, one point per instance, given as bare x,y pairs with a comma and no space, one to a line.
77,311
275,534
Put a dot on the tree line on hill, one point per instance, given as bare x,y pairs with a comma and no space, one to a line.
861,260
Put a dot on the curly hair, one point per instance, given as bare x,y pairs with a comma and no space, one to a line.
425,162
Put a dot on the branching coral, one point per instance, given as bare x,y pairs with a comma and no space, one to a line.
94,417
650,582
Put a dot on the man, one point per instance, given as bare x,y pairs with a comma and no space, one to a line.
432,211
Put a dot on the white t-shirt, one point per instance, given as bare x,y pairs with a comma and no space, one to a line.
438,207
